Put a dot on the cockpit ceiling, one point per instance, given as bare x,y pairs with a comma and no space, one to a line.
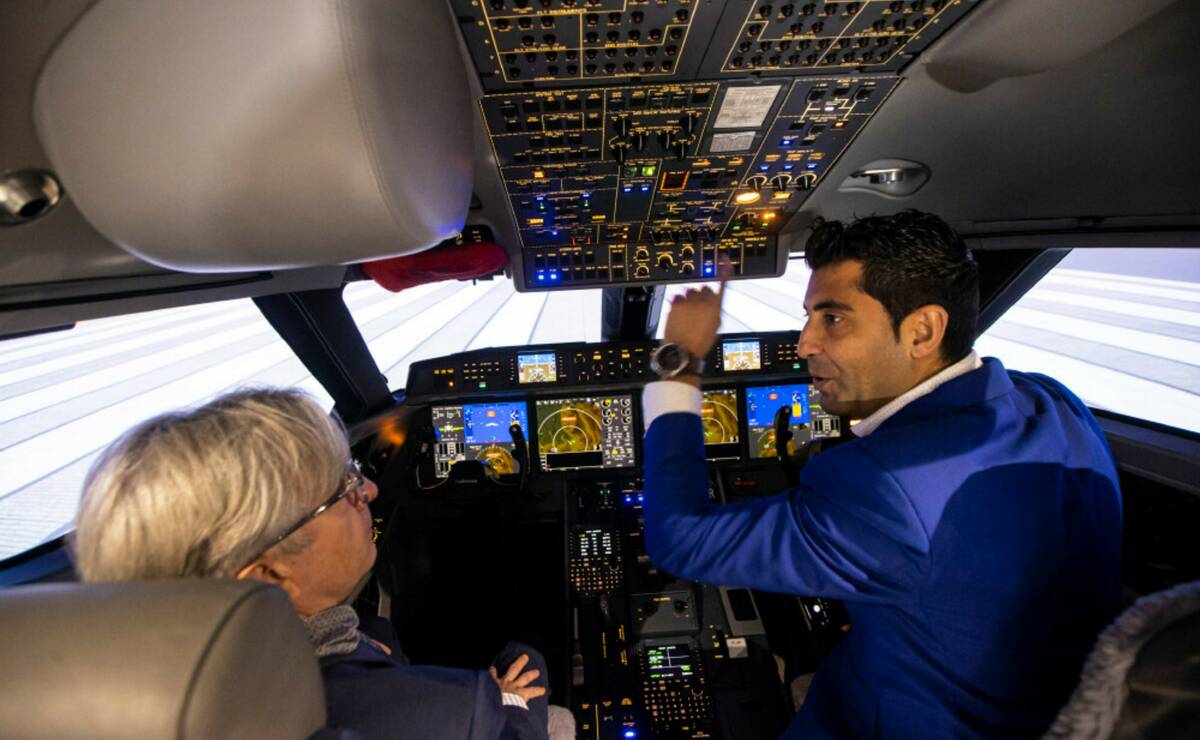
638,140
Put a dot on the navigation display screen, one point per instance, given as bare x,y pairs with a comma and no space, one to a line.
807,420
477,431
587,432
537,367
719,420
741,354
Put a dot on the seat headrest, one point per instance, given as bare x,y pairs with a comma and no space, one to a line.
156,659
209,137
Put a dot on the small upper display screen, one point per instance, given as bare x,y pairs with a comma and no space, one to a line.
587,432
741,354
537,367
807,421
477,431
669,661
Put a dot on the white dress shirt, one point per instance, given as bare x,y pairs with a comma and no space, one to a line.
672,396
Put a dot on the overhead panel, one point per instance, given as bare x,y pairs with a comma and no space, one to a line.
637,141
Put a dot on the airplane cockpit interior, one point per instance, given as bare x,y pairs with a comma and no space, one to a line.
459,224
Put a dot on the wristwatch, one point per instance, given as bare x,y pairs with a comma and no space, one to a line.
670,360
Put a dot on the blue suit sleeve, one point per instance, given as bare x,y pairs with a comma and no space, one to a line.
847,531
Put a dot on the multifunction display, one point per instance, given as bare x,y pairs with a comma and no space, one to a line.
719,419
585,432
669,661
537,367
477,431
807,421
741,354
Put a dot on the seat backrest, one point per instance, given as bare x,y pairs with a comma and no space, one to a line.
156,659
1142,678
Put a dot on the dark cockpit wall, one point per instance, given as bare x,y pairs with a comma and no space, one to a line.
1028,125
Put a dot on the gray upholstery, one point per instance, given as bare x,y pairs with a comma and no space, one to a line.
148,660
210,136
1142,678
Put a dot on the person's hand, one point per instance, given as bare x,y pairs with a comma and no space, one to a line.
516,682
695,316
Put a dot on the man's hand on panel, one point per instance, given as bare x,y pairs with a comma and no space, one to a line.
695,316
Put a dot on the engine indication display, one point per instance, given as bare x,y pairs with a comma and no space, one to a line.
478,431
807,420
537,367
588,432
741,354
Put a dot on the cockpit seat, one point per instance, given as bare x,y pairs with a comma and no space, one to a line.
1142,679
157,659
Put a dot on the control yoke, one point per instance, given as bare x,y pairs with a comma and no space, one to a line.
783,436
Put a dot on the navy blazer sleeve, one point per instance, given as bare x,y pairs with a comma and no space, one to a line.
847,530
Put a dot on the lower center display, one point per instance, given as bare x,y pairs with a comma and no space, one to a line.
585,432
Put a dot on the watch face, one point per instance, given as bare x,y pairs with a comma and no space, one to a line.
670,359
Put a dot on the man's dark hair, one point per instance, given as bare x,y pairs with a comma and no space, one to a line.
911,259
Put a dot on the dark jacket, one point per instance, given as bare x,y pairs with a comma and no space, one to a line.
381,696
975,537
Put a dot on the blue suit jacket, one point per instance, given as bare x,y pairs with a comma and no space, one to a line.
975,537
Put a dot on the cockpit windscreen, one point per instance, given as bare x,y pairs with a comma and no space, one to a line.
586,432
477,431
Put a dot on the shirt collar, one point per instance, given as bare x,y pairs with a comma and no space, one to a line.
924,388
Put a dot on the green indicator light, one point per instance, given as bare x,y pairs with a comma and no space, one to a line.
648,170
482,384
796,366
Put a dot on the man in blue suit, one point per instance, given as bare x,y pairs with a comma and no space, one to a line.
973,528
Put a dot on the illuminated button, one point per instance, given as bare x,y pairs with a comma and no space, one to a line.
748,196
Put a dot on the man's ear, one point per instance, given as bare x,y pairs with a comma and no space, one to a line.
272,571
923,331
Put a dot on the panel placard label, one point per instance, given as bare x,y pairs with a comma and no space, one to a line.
746,107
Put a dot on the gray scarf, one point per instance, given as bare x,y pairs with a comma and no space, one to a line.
333,631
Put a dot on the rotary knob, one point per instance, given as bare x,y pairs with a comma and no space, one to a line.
780,182
758,182
638,140
665,262
641,271
806,181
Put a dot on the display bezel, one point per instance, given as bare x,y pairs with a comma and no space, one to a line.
757,341
430,467
539,353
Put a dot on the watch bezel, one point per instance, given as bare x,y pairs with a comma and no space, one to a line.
685,360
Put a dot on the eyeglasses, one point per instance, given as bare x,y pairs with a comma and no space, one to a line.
353,489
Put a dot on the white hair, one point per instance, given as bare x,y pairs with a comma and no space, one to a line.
199,493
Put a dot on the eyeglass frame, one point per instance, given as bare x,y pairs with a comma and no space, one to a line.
355,482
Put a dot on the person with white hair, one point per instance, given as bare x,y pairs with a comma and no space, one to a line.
259,484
